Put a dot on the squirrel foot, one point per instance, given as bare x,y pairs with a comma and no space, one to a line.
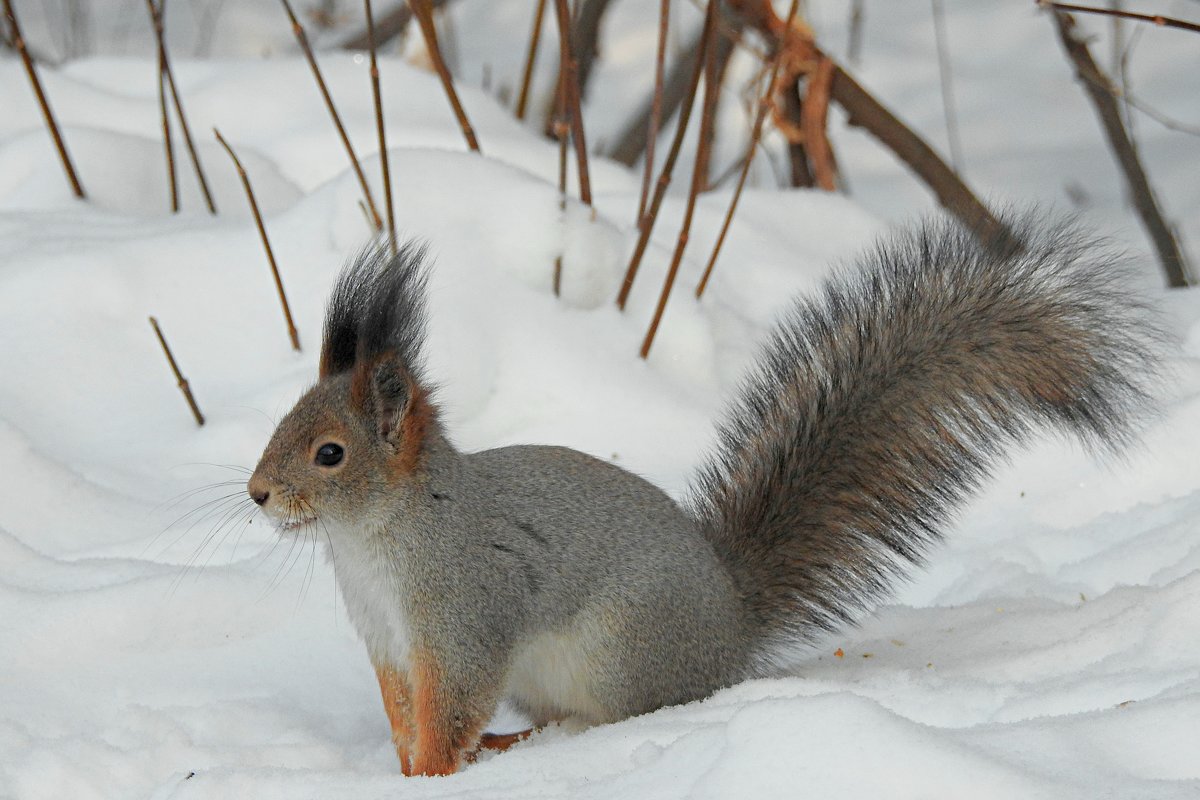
499,742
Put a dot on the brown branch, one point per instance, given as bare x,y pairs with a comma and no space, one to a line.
570,93
156,18
19,43
262,232
168,145
660,56
182,381
760,117
379,129
423,11
1102,94
1157,19
302,39
711,87
535,36
814,115
864,111
707,36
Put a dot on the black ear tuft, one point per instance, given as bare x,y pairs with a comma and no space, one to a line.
377,307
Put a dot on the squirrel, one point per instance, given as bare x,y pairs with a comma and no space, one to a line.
575,589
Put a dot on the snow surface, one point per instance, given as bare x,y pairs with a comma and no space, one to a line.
156,647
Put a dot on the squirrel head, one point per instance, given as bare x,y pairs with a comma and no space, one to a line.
359,436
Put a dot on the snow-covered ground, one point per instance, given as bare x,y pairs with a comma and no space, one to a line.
155,646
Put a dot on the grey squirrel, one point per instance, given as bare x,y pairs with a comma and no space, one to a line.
576,589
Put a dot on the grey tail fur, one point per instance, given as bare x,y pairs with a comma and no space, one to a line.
377,307
880,406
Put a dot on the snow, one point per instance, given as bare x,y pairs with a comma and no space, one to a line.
155,646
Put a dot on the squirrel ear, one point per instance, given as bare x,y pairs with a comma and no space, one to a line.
385,390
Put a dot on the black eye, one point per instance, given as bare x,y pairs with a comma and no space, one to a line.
329,454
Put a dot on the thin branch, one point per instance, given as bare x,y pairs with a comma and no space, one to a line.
711,87
262,232
423,11
19,43
707,36
379,129
184,386
168,145
535,37
760,117
655,121
302,39
854,38
156,18
570,93
1157,19
1102,94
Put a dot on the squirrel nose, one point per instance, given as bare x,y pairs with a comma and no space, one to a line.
259,497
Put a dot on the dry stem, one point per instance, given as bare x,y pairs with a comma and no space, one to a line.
535,36
379,128
760,117
156,18
1157,19
570,81
168,145
182,381
660,58
262,232
18,42
664,178
1102,94
711,88
302,39
423,11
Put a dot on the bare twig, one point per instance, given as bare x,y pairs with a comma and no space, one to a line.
19,43
561,129
535,37
379,128
1102,94
711,87
570,93
707,36
156,18
947,76
302,39
182,381
660,57
262,232
1157,19
168,145
423,11
863,110
760,117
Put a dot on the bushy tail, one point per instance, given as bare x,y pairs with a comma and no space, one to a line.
879,406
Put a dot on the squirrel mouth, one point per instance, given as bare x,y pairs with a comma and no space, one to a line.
294,525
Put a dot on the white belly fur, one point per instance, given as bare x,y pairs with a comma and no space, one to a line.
372,592
551,675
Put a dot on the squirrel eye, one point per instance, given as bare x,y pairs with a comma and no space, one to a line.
329,454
